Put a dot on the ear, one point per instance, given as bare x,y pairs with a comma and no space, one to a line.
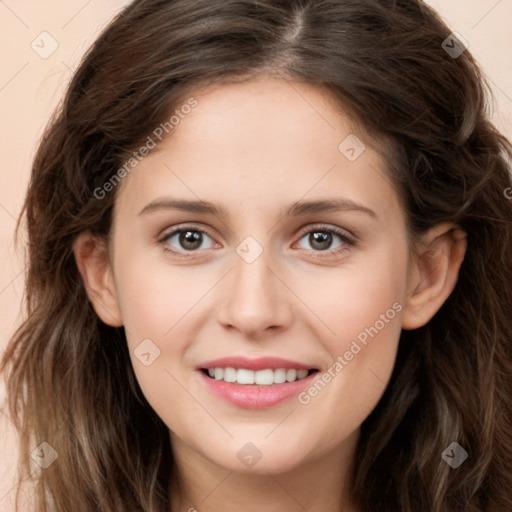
91,256
433,274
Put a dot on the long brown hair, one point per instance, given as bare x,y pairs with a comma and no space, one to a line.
70,380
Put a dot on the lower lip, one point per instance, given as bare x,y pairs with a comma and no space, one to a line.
253,396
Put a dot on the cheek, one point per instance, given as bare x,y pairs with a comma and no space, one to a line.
155,298
362,309
354,298
157,303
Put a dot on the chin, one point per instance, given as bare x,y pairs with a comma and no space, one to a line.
259,458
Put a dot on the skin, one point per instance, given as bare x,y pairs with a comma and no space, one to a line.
255,148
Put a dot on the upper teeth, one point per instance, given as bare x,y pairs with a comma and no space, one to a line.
261,377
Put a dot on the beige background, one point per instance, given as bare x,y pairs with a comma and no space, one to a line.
31,87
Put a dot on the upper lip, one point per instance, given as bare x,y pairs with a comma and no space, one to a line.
261,363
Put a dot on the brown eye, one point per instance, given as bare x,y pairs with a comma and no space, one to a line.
190,240
185,239
323,238
320,240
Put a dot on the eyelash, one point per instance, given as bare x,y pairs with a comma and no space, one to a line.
343,235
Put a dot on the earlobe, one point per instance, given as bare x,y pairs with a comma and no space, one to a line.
434,273
91,256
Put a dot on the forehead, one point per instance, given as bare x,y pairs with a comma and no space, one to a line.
254,112
269,138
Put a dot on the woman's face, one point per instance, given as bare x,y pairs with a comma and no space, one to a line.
267,287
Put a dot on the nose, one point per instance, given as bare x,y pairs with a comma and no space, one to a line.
257,299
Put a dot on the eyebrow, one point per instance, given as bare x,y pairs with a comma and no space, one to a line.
298,208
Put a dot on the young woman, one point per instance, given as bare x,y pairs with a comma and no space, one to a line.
269,268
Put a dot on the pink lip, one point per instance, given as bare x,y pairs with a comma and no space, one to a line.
254,396
261,363
249,396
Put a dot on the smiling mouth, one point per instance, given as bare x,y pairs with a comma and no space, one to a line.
265,377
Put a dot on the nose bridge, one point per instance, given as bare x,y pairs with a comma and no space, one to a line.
257,299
